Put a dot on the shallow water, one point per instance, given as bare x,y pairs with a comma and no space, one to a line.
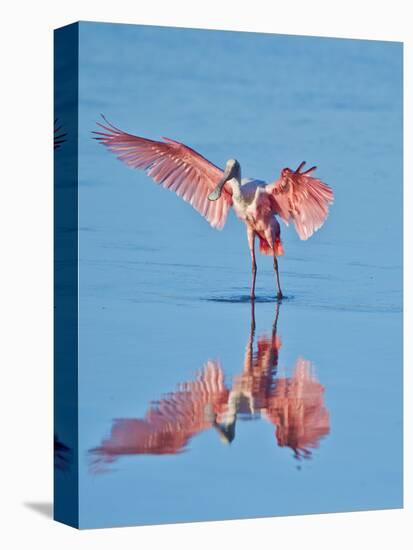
163,296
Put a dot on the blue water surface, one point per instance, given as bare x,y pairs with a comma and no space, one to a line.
162,293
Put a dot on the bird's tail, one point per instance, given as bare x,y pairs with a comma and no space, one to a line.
266,249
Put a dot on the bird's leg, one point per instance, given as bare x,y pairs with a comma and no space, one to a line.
279,293
274,326
251,244
274,365
252,318
248,363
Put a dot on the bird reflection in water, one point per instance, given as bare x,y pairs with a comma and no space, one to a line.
294,405
62,454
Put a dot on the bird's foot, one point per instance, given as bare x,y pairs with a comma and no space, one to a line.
279,295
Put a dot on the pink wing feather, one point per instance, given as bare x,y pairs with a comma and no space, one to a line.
302,198
169,422
296,407
173,165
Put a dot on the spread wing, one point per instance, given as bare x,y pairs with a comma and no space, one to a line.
302,198
297,410
173,165
170,422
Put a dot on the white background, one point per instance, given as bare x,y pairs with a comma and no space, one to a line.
26,269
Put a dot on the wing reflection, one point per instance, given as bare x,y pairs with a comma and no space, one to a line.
294,405
172,421
296,408
58,135
62,454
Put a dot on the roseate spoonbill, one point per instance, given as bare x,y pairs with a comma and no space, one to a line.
294,405
295,195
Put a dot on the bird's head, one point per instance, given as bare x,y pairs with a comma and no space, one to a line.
232,170
299,171
226,433
288,175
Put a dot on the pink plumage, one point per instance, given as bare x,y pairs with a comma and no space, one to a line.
169,422
294,406
295,196
173,165
303,199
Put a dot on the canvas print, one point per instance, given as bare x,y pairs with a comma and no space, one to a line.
228,275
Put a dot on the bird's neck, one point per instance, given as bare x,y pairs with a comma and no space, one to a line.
235,184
